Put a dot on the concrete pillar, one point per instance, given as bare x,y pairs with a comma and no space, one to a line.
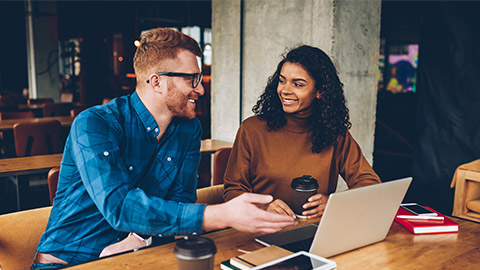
225,70
348,31
356,45
42,49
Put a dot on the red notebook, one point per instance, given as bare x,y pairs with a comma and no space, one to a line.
421,226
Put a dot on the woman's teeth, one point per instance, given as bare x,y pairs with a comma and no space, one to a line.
286,100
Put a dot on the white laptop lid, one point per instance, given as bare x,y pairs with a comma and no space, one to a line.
358,217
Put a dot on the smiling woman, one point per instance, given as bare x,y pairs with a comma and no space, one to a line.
300,128
296,89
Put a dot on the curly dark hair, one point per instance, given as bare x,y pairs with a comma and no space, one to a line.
329,118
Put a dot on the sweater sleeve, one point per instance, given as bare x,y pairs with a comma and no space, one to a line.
237,174
352,165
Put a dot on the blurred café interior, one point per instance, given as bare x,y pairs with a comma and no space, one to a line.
79,54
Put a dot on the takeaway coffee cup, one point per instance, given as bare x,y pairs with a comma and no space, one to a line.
303,187
195,253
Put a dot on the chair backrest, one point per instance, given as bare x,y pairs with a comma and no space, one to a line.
210,195
16,115
220,160
32,101
53,182
38,138
56,109
10,98
20,233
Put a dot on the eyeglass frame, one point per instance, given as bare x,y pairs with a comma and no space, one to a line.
180,74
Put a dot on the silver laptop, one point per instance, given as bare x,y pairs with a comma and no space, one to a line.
352,219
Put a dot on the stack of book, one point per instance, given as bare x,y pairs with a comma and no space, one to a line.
425,224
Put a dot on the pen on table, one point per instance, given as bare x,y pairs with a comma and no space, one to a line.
420,217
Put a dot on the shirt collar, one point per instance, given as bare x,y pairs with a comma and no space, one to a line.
149,123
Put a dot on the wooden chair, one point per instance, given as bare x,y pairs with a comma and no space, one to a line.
466,182
38,138
6,138
20,233
56,109
8,107
11,98
220,161
210,195
16,115
33,101
52,180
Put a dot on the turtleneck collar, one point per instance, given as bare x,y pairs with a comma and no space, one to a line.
298,122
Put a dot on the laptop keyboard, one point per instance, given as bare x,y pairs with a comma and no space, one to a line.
299,245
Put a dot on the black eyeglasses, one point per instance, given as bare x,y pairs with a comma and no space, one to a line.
196,77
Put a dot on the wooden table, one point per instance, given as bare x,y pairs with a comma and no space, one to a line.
27,107
400,250
37,109
7,125
15,168
210,146
28,165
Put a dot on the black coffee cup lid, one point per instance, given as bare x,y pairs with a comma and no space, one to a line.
195,246
306,182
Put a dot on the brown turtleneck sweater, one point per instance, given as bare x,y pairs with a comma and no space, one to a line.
265,161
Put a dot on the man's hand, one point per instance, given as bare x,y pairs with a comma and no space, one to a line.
280,207
319,202
242,213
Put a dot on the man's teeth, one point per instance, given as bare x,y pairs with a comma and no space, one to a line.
191,100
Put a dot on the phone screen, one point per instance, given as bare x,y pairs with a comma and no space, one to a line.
300,262
419,210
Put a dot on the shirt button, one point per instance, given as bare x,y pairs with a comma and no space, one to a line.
149,128
130,168
169,159
156,129
106,153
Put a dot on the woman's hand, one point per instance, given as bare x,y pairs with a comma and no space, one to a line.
280,207
318,202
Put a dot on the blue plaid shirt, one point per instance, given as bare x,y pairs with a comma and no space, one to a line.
105,190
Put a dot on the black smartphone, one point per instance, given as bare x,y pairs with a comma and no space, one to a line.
417,209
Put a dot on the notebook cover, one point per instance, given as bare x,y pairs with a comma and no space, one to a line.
258,257
426,226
